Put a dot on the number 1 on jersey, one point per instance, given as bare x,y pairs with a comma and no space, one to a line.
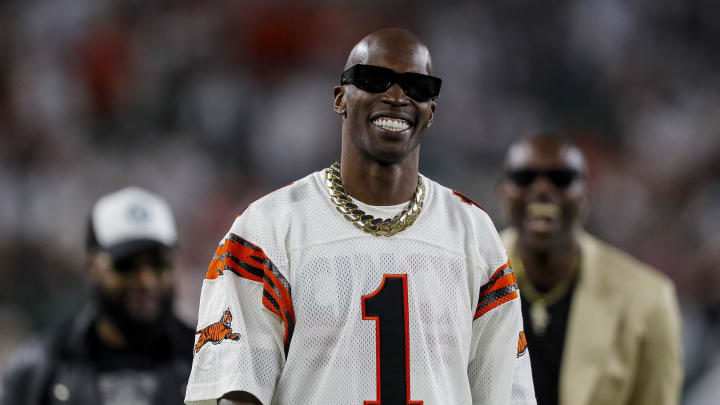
388,307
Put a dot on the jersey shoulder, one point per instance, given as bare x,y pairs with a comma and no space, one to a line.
280,206
459,205
284,196
470,226
266,223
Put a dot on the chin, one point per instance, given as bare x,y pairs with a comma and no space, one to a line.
539,246
387,156
540,243
546,242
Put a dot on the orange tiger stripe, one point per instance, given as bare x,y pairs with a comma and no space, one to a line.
501,288
496,304
284,299
498,279
216,266
522,344
286,310
500,269
266,302
276,296
222,261
504,281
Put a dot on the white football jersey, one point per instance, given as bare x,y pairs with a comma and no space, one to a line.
301,307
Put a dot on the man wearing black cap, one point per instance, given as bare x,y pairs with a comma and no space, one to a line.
126,346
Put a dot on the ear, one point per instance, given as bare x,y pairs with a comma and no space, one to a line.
433,105
339,104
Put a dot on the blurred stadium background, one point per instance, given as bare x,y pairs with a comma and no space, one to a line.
213,104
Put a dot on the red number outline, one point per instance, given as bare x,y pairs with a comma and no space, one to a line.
378,401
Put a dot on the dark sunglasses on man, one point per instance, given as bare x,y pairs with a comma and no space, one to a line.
158,259
560,178
376,79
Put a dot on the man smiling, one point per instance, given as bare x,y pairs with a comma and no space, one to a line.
604,328
365,282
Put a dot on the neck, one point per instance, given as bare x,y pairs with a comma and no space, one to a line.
376,183
549,267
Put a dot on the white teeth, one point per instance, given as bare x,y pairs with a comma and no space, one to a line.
391,124
546,210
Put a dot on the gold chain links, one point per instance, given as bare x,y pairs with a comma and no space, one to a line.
368,223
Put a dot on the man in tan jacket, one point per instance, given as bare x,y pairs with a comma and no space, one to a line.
602,328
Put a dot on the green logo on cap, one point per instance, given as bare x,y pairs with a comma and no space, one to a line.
138,213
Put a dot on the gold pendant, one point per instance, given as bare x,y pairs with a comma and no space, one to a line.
539,317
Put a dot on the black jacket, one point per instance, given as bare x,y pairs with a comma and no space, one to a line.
57,368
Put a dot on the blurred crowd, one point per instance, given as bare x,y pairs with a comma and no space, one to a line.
213,104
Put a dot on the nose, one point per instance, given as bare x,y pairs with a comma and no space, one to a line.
395,95
542,186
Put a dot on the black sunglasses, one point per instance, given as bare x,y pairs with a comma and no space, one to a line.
376,79
560,178
157,260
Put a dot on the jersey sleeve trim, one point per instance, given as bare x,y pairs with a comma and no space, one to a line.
249,261
501,288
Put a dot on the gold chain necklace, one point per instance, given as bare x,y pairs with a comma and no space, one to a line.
368,223
540,302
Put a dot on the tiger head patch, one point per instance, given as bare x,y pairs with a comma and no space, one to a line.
217,332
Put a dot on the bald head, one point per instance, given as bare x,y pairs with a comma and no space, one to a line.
545,146
396,42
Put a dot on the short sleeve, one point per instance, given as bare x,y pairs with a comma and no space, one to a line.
499,368
245,319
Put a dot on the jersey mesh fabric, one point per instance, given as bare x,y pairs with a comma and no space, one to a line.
447,255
